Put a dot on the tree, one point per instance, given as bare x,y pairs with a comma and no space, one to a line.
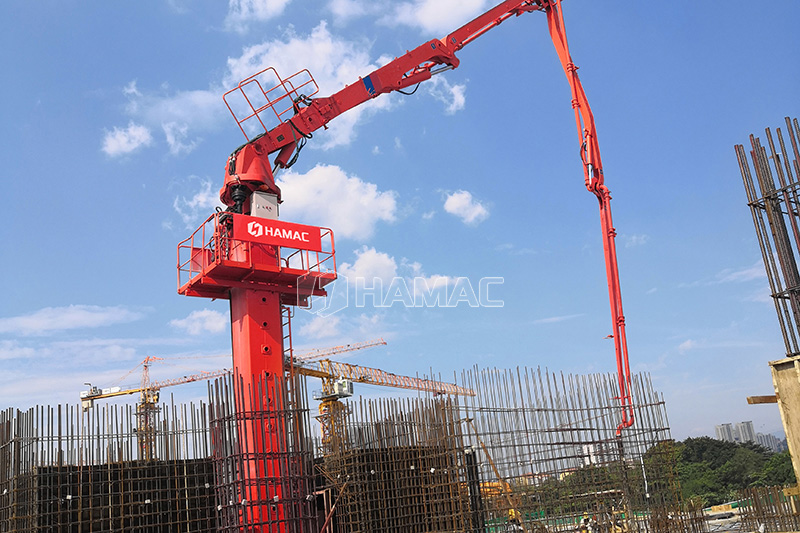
715,470
778,470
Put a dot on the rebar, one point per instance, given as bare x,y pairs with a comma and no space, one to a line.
263,456
65,470
532,451
774,206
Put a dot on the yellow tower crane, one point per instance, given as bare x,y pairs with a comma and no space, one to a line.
337,383
147,406
323,353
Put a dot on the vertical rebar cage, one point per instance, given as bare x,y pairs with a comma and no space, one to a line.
66,470
775,205
263,456
530,452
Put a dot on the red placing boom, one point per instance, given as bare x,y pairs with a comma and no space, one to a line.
245,254
593,176
249,168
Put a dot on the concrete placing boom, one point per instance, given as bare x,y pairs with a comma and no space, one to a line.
249,168
263,265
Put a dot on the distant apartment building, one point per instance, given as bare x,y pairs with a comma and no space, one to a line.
771,442
744,432
725,432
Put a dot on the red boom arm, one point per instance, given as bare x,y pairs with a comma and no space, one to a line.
593,176
249,167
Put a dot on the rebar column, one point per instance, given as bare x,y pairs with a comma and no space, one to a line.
774,206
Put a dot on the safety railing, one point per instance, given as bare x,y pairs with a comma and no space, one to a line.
212,255
250,101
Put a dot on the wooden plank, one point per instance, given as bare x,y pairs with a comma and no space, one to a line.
753,400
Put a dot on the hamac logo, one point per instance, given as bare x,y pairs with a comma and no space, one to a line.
255,229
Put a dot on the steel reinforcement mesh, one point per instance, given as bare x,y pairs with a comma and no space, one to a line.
66,470
263,456
532,451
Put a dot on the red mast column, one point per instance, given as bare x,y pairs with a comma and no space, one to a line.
260,265
257,341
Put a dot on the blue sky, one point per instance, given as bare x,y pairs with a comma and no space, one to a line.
114,138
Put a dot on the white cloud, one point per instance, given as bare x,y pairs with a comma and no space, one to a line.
96,349
199,206
451,95
13,350
241,13
408,280
462,205
176,135
687,345
426,288
177,113
345,10
370,326
52,319
131,90
729,275
333,62
438,17
422,285
638,239
370,264
202,321
321,327
746,274
556,319
197,109
326,196
121,141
